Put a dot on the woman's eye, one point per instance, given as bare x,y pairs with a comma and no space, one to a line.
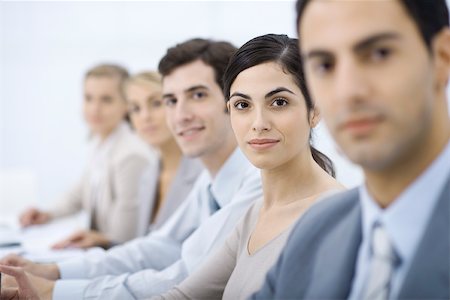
156,103
134,109
279,102
241,105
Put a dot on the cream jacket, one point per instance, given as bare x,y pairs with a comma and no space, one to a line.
108,190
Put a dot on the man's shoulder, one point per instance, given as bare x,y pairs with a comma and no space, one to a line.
326,214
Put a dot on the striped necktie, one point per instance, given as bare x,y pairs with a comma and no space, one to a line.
382,264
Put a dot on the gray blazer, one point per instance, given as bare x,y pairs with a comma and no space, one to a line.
187,173
320,257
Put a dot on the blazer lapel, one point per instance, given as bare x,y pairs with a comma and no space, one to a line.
334,272
429,273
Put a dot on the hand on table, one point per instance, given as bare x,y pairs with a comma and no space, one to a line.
84,239
49,271
26,287
33,216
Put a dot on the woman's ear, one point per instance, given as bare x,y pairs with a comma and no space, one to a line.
314,117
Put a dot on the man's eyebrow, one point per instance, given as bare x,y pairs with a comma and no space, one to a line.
368,42
196,87
188,90
168,95
359,47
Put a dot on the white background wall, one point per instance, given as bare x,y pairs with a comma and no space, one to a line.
45,48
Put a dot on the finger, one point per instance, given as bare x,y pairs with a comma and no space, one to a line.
9,294
25,219
41,218
59,245
8,281
19,274
12,260
73,239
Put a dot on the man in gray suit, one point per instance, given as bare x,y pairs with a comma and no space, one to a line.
378,71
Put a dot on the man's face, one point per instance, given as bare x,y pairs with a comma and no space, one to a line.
372,77
195,108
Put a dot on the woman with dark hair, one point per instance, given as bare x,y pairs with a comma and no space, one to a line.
272,116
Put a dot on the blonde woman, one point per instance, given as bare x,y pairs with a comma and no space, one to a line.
163,185
108,189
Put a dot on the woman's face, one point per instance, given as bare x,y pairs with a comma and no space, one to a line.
104,107
147,112
269,116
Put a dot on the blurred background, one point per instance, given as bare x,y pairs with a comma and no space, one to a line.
45,48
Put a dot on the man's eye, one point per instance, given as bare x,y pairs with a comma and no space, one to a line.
170,101
380,54
323,67
199,95
279,102
241,105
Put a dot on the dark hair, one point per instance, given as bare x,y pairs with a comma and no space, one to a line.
430,16
213,53
284,51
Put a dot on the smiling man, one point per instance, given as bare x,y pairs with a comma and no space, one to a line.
378,71
196,114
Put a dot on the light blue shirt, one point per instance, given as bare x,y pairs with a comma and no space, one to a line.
405,221
151,265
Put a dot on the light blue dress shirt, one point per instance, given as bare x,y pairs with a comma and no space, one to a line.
151,265
405,221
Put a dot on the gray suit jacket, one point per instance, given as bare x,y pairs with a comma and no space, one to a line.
319,259
187,173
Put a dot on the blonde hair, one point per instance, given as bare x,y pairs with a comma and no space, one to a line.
111,71
145,78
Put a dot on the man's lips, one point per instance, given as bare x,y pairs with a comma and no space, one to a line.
262,143
190,131
361,126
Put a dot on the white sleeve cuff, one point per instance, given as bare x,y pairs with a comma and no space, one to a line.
72,268
69,289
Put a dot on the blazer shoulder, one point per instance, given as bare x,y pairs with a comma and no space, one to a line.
325,214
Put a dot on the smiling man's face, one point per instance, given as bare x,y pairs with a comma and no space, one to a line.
196,109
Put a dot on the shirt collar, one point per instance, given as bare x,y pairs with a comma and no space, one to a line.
227,181
407,217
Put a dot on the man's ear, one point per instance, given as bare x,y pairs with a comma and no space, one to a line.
314,117
441,55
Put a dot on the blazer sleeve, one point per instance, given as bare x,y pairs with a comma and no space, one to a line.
70,203
123,219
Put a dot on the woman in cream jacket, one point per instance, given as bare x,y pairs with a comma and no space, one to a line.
108,189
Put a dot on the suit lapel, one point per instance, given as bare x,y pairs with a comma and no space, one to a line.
334,272
428,276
